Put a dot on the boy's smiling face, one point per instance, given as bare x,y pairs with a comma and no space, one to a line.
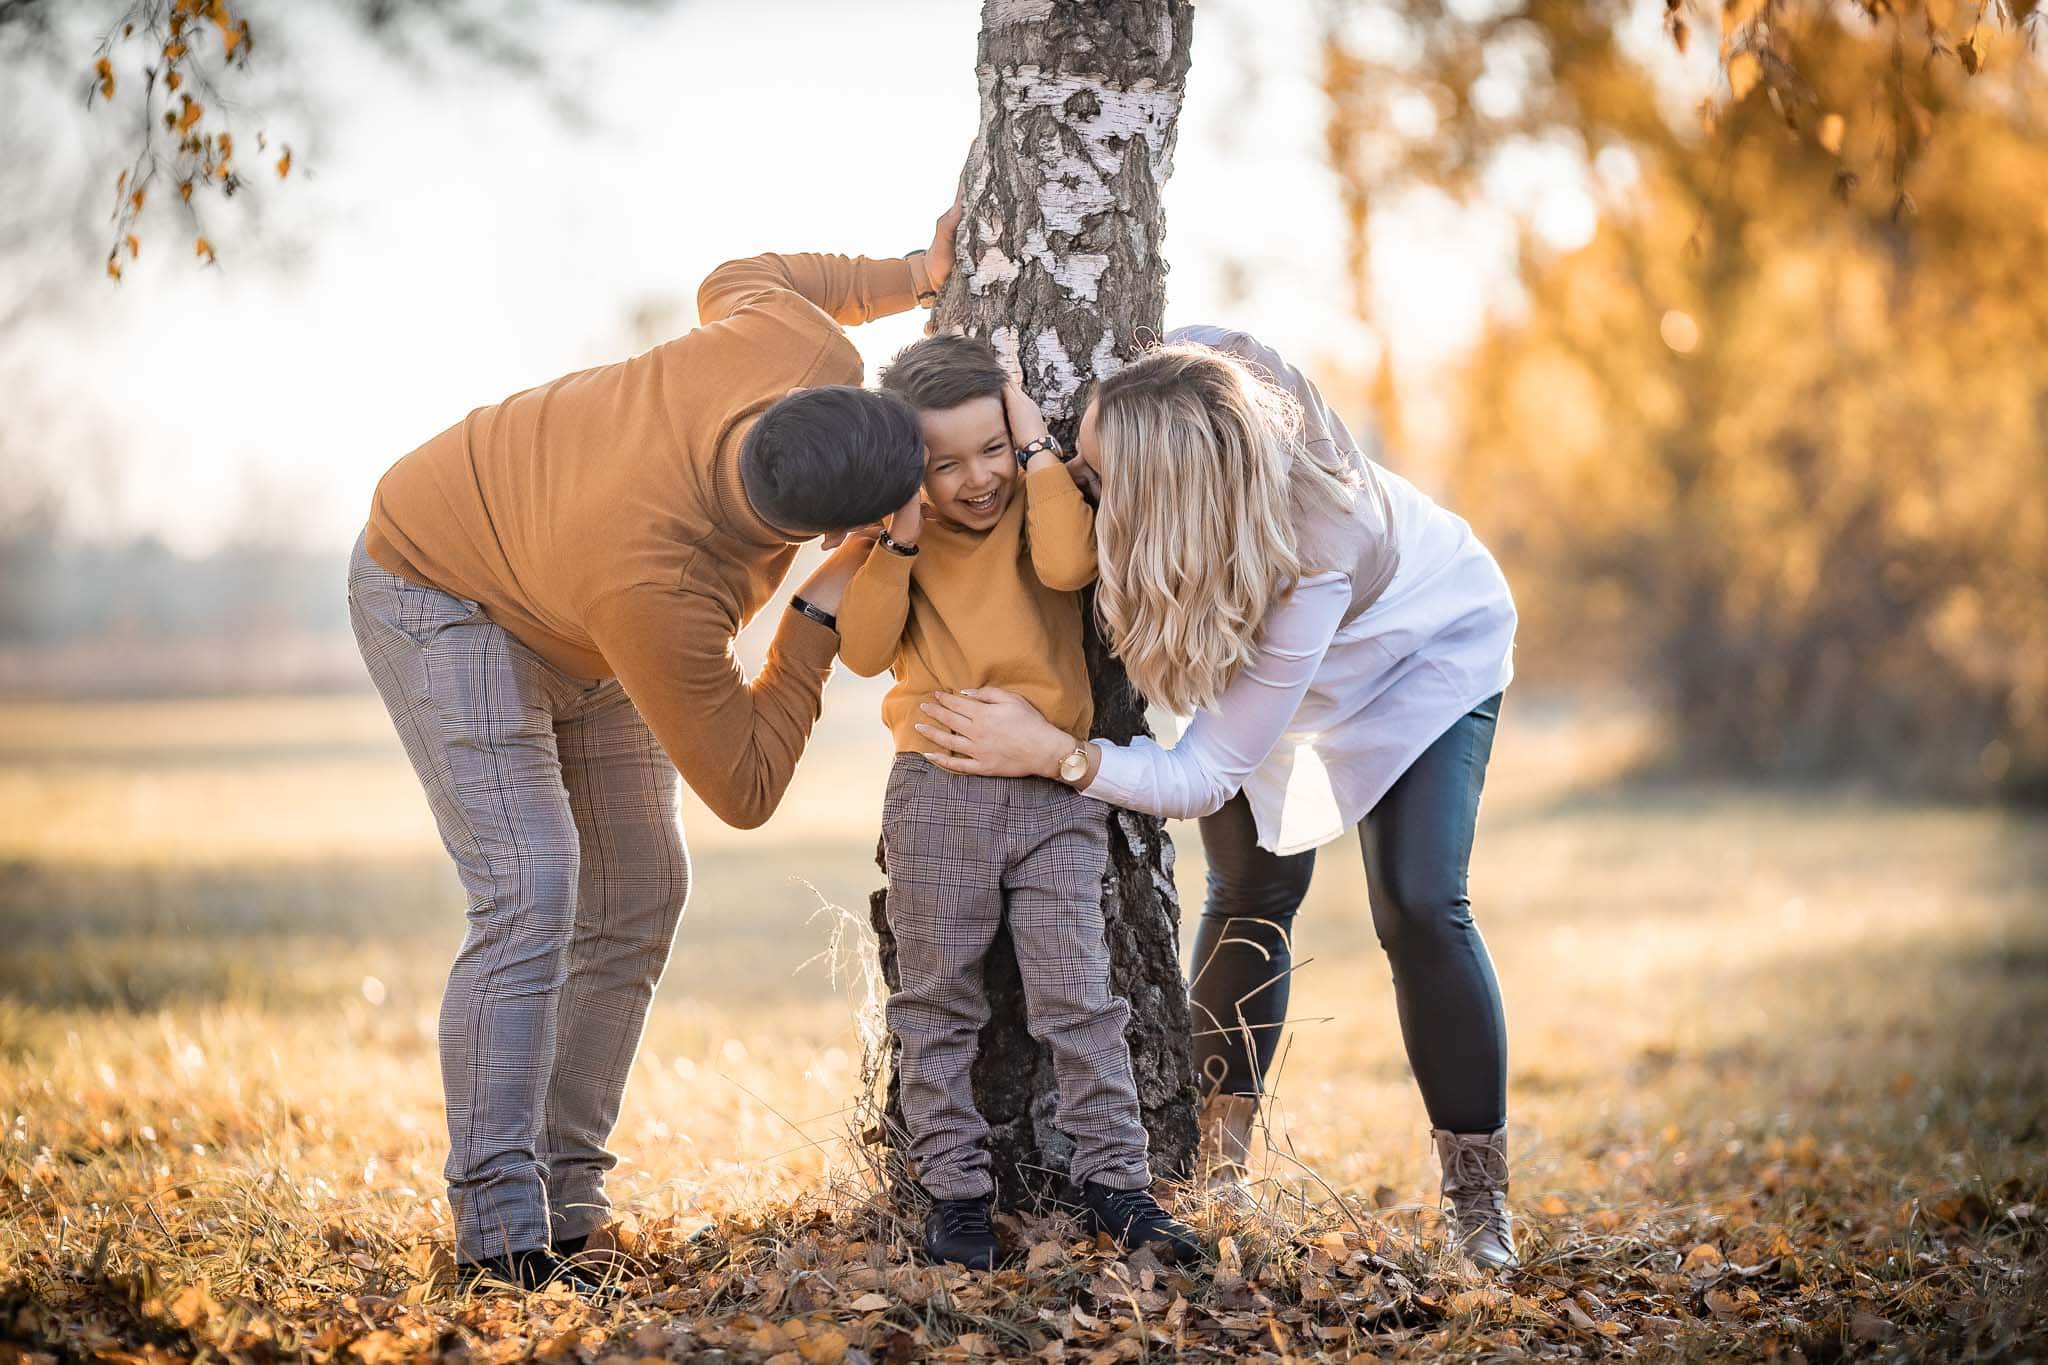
970,470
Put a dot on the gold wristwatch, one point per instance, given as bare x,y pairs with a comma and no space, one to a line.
1074,766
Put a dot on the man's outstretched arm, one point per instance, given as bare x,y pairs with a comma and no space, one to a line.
848,289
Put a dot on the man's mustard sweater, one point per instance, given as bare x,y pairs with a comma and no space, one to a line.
600,519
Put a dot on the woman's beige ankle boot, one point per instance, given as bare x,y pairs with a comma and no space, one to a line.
1476,1188
1222,1161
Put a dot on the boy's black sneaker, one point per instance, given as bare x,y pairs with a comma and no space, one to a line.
1134,1219
532,1271
959,1231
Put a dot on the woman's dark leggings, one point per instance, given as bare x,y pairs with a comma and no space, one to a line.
1418,844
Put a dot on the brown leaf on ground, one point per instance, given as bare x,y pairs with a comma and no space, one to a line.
1704,1259
824,1347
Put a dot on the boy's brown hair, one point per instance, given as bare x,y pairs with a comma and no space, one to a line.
945,371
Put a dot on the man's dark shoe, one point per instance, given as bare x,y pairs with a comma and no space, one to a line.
1134,1219
959,1231
532,1270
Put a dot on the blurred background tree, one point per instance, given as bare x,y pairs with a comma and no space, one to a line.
1771,444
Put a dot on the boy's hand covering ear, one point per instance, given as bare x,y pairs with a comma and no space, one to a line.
1027,423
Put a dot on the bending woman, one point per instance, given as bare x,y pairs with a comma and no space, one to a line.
1341,643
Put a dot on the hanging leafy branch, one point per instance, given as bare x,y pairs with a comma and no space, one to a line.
185,146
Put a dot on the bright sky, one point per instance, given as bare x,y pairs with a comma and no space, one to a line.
460,243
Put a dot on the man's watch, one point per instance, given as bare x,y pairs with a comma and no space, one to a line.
817,613
1074,766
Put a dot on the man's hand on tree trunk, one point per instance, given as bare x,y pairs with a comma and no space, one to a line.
938,258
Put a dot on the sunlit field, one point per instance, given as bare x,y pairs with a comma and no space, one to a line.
1779,1078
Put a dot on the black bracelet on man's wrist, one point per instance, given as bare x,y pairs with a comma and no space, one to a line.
816,613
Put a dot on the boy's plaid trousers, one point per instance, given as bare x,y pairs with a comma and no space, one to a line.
961,850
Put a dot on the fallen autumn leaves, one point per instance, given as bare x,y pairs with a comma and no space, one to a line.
821,1285
1800,1042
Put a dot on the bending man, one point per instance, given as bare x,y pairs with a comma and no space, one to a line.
546,596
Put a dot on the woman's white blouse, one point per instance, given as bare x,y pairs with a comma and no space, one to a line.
1318,726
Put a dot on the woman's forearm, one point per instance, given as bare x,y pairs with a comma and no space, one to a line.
1180,783
1225,743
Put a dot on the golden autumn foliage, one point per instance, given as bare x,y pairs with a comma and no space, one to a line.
1772,443
1785,458
1428,92
1782,49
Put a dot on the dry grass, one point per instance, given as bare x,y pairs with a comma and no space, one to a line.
1803,1031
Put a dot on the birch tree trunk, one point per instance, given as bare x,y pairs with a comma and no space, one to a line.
1060,267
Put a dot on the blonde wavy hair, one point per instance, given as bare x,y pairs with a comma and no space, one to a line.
1204,475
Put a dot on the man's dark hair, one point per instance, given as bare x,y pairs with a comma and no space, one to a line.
832,458
945,371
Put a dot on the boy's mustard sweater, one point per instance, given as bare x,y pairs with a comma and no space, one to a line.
995,608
